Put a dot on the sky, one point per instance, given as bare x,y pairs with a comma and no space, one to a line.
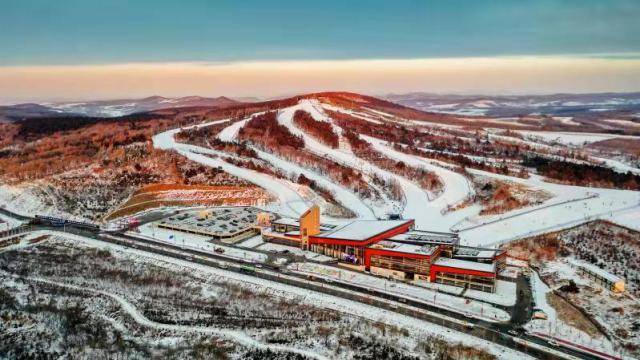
77,49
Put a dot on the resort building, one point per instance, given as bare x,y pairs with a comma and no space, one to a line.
392,248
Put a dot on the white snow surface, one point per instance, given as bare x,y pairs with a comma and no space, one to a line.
415,326
231,132
342,156
569,138
233,335
628,123
7,222
457,188
197,242
343,195
554,326
21,199
273,247
581,205
572,207
290,202
251,242
416,200
618,166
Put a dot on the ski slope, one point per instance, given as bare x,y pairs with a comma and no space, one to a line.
457,188
416,200
570,206
290,203
343,195
347,198
575,205
231,132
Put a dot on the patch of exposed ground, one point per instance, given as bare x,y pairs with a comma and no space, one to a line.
571,315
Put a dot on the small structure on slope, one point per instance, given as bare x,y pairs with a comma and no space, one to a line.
599,276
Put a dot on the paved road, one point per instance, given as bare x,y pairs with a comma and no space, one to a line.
523,310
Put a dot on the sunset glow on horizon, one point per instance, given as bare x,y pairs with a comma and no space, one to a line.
486,75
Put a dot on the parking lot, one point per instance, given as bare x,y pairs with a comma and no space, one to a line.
227,224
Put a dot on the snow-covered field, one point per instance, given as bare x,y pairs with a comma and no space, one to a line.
272,247
623,122
7,223
22,199
556,327
251,242
416,328
568,138
539,219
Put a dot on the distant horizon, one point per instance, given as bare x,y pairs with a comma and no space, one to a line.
509,75
78,50
260,99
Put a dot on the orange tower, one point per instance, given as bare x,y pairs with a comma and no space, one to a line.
309,225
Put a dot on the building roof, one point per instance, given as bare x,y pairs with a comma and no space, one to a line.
464,264
595,270
476,253
427,237
287,221
296,222
361,230
224,221
405,248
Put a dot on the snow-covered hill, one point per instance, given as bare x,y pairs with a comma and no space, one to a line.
109,108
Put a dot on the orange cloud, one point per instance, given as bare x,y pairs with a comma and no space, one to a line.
505,75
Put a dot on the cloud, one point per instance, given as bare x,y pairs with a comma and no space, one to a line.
489,75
